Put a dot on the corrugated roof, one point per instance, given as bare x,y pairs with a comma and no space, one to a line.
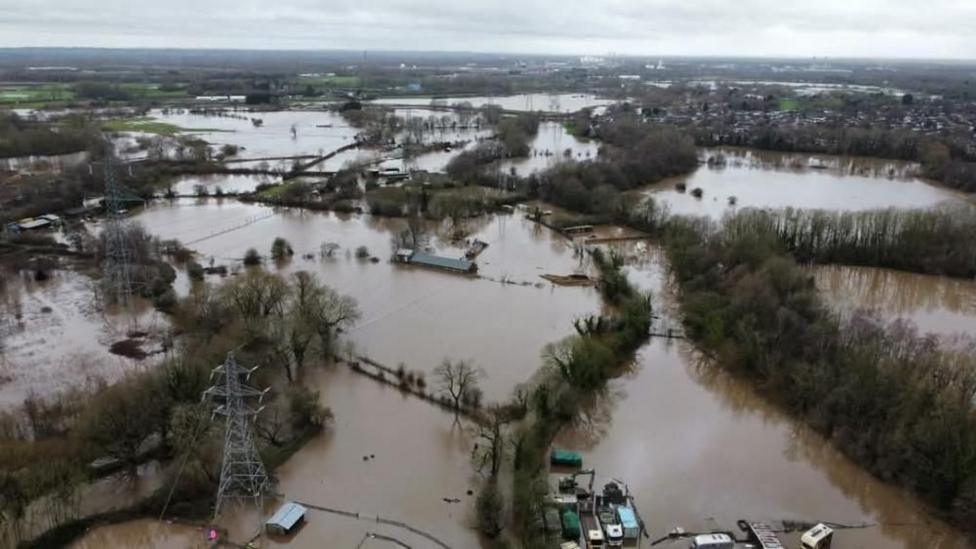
441,262
287,516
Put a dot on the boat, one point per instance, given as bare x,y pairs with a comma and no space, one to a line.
613,532
592,531
628,522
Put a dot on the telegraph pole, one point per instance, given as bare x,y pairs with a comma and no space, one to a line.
242,475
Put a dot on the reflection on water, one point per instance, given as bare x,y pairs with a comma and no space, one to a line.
551,145
775,180
701,449
935,304
187,184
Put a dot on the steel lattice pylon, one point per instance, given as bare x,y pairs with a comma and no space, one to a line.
242,475
117,281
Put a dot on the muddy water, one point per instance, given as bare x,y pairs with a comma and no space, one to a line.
315,132
701,449
144,534
411,315
56,339
563,102
774,180
421,457
551,145
935,304
187,185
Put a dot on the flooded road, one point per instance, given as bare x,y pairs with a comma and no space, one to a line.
936,304
410,315
700,449
774,180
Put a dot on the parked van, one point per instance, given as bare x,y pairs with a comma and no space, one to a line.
712,541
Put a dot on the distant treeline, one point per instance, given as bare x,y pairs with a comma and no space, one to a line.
899,404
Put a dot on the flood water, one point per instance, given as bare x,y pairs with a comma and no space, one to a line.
935,304
229,183
316,132
52,163
701,450
56,339
775,180
530,102
144,534
410,315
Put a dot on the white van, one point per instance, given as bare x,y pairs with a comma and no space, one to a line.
712,541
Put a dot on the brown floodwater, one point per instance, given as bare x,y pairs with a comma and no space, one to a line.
411,315
935,304
144,534
701,450
759,179
56,338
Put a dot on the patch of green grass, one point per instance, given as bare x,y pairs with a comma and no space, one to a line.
149,125
788,104
273,193
35,95
151,91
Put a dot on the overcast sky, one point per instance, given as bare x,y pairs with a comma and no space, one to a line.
775,28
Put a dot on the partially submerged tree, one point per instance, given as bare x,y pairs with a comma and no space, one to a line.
458,380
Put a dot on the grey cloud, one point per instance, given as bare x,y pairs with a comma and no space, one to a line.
901,28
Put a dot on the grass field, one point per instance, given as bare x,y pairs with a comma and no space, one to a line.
34,95
788,104
149,125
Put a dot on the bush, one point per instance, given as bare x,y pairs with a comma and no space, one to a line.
362,252
281,249
194,270
489,508
252,257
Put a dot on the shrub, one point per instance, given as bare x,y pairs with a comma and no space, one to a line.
252,257
362,252
281,249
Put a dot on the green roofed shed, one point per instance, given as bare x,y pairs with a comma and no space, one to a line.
565,458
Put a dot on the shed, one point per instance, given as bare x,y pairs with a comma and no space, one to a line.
403,255
446,263
285,519
31,224
565,458
571,525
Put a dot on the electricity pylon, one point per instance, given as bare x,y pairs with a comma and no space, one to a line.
242,475
117,281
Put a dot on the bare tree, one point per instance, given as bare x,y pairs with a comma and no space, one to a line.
324,311
489,450
458,379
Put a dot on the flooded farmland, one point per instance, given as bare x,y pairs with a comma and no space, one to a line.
530,102
408,313
774,180
935,304
698,448
56,338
